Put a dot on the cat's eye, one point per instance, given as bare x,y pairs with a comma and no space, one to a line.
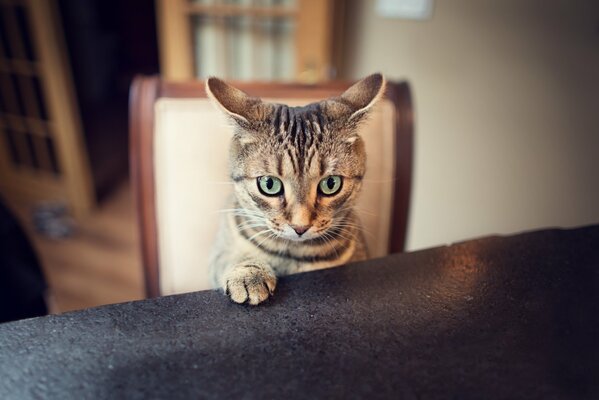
270,186
330,185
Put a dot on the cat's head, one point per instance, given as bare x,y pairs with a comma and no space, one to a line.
297,170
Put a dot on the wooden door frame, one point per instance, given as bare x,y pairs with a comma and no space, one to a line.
74,182
57,79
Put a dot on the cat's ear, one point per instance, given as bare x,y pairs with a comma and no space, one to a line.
356,101
238,105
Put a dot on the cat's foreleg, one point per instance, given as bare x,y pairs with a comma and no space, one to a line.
242,275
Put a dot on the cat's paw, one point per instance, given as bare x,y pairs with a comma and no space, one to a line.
251,282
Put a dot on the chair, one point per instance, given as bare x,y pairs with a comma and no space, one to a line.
179,147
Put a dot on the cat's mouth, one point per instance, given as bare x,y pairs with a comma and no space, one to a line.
312,233
294,237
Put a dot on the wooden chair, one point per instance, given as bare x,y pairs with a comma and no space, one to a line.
179,148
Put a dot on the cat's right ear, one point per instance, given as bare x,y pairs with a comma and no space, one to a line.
236,104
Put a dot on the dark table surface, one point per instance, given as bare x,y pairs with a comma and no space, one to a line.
501,317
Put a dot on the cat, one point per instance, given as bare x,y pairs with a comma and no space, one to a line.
296,173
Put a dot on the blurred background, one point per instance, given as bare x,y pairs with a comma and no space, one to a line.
506,97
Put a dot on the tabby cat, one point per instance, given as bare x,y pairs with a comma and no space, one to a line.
296,173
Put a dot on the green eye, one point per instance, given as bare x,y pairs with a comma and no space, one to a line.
330,185
270,186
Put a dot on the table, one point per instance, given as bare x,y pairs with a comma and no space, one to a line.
499,317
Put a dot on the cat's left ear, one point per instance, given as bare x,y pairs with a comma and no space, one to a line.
359,99
364,94
238,105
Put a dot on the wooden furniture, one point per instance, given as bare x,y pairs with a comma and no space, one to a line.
179,151
42,150
496,318
245,39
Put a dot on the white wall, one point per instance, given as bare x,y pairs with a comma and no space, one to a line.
507,111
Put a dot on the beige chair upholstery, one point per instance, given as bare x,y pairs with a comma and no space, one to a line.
179,152
192,185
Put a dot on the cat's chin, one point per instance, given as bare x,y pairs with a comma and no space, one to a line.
297,239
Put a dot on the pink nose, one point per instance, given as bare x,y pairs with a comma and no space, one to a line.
300,230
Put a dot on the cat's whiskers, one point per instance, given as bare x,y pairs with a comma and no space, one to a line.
345,223
252,222
248,216
245,228
249,219
263,231
348,224
353,236
354,208
326,237
363,211
355,226
341,234
270,236
346,210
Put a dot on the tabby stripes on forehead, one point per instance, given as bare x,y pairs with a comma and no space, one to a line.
279,164
311,154
292,158
301,129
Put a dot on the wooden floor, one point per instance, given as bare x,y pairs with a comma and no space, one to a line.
100,264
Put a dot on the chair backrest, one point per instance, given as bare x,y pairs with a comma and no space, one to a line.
179,150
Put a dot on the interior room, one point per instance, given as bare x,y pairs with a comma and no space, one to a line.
152,150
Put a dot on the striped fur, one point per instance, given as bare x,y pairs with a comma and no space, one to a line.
300,146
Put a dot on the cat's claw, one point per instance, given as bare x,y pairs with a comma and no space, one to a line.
250,283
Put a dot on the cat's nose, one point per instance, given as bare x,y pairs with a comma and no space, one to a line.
300,229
